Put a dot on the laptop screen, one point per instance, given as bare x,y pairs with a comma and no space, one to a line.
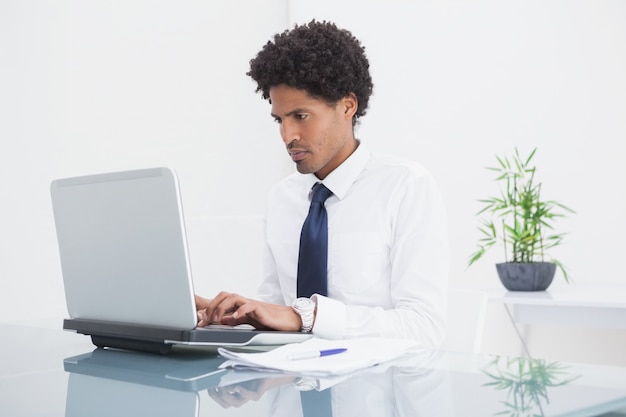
123,248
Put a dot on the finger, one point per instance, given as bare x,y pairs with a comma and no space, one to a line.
218,396
229,320
249,394
201,302
224,304
202,318
244,310
236,399
213,305
247,313
228,396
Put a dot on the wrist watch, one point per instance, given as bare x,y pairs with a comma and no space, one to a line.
306,383
305,307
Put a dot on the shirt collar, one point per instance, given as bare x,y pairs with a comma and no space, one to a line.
341,178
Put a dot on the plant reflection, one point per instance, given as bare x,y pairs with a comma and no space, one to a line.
527,381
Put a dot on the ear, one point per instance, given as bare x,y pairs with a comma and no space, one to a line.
350,105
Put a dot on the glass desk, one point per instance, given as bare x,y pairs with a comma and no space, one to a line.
45,371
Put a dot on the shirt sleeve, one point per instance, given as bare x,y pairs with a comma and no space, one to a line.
418,275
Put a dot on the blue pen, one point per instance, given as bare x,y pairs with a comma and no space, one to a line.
316,354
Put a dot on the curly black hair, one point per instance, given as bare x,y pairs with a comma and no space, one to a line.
327,62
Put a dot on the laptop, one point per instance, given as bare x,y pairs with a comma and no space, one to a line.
126,268
110,382
189,371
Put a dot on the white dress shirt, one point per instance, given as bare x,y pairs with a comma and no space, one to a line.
387,249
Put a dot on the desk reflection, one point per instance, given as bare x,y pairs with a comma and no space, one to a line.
109,382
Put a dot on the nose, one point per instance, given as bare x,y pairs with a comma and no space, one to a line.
289,132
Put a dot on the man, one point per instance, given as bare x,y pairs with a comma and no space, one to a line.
387,241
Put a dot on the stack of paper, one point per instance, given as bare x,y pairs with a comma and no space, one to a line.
359,354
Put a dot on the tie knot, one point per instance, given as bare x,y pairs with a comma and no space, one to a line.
320,193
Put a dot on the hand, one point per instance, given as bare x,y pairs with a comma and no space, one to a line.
234,309
237,395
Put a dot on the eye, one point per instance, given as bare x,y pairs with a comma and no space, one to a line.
278,120
301,116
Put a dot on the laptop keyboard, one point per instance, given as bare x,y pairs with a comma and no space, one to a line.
227,327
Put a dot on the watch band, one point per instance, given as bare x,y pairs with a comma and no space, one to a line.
305,307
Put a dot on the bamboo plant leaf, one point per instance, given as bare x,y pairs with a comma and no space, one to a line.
524,215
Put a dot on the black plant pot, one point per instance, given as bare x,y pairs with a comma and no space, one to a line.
533,276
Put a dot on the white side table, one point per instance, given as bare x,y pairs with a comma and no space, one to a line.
600,306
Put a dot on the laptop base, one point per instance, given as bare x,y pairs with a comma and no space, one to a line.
131,344
161,340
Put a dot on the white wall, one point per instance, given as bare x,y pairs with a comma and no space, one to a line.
90,86
105,85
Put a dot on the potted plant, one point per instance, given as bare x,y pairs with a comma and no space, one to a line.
522,222
526,381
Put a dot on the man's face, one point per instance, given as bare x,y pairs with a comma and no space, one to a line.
318,136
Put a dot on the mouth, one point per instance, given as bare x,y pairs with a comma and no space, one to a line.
297,154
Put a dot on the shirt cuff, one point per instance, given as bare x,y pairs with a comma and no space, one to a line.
330,318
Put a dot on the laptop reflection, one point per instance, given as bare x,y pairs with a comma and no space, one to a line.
107,382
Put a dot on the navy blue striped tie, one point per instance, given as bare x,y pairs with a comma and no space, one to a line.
313,256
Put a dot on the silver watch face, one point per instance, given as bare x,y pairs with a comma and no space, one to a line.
304,304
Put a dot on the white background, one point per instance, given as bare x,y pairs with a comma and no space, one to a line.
91,86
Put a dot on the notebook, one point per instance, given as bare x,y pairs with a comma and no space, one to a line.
126,268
